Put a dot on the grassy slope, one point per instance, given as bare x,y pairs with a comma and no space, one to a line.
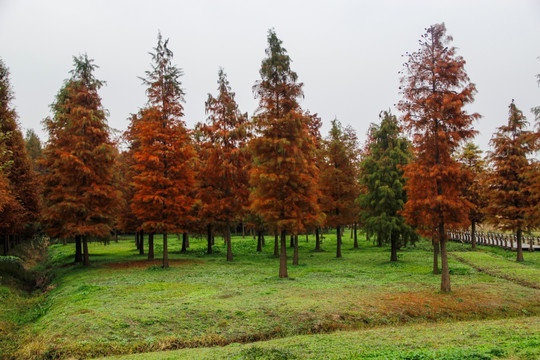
203,300
517,338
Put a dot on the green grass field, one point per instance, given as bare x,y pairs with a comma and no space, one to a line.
123,304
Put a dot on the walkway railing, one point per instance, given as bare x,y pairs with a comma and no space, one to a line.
507,241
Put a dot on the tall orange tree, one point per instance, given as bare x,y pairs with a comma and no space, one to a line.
339,175
510,202
284,174
79,191
164,155
435,89
223,175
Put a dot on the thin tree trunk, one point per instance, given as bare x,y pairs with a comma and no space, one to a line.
78,249
295,254
165,252
184,243
115,235
355,236
338,250
64,241
276,245
259,241
262,239
393,247
137,239
6,246
317,240
445,277
209,238
307,237
243,231
379,240
229,245
519,247
283,256
187,240
291,245
473,234
141,243
435,257
352,232
85,252
151,246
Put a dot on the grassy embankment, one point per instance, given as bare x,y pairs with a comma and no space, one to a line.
122,304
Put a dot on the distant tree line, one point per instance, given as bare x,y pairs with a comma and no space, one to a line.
272,173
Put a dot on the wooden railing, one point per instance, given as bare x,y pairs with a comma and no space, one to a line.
507,241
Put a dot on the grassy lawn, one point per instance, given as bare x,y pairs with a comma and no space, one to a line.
123,304
517,338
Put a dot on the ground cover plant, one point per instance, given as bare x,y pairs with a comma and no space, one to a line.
517,338
125,304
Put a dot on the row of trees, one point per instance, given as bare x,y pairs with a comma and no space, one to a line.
273,172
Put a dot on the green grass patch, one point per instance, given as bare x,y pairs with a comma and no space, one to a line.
517,338
524,273
126,304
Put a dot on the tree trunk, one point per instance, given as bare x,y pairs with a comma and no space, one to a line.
187,240
115,235
141,243
86,256
263,242
307,237
355,236
338,250
184,243
519,247
137,240
276,245
151,246
473,234
317,240
6,247
229,245
209,239
295,254
445,277
165,252
283,256
379,240
259,241
435,257
78,249
243,231
291,245
393,246
64,241
352,231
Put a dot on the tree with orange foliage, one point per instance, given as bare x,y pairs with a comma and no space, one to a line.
19,186
435,89
224,173
164,155
79,191
339,179
510,202
284,174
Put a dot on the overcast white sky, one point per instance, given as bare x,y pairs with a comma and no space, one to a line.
347,53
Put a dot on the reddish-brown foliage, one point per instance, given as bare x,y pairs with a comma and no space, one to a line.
284,173
435,88
510,203
80,194
163,153
224,164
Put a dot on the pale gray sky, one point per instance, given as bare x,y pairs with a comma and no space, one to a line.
347,53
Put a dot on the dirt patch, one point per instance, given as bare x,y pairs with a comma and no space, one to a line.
147,263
